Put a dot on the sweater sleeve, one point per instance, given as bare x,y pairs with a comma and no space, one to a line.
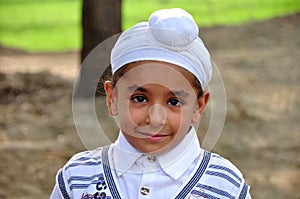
60,188
245,193
56,193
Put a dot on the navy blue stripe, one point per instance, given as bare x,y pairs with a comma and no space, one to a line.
214,166
204,195
82,164
217,156
184,192
79,186
222,175
87,158
108,175
215,190
83,186
83,178
244,191
62,186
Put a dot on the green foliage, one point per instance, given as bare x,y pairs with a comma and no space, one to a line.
54,25
212,12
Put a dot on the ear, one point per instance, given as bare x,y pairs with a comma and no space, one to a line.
111,98
199,107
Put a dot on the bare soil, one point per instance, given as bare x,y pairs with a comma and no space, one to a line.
260,66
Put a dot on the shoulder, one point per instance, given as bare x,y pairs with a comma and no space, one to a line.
224,178
84,161
223,165
81,169
87,155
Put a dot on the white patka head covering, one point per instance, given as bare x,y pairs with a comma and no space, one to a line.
170,35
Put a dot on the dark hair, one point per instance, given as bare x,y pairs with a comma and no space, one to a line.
108,76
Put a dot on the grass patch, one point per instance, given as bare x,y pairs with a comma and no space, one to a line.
32,25
54,25
212,12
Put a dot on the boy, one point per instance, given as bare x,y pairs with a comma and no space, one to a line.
160,69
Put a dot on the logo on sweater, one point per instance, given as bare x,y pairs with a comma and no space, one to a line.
96,195
101,188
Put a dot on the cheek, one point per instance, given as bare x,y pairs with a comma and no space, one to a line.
131,116
137,115
176,119
124,114
182,120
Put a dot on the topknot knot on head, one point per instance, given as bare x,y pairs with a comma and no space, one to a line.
174,29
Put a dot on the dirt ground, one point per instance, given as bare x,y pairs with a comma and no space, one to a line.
259,63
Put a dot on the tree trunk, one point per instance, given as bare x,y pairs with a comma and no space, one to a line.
101,19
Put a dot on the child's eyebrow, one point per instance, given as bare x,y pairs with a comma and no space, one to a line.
180,93
136,88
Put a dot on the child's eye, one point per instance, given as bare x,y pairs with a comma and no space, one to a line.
139,99
175,102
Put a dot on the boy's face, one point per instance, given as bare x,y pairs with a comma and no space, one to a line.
155,103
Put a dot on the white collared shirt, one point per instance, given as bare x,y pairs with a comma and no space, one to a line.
138,172
186,171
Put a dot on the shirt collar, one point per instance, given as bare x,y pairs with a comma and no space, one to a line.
124,155
174,162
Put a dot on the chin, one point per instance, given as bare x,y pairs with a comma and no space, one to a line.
154,150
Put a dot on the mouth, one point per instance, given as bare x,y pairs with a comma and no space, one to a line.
154,137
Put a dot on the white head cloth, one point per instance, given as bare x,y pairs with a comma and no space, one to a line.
171,36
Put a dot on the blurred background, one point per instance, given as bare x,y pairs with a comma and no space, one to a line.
255,44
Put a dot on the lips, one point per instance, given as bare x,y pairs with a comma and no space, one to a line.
152,134
158,135
153,137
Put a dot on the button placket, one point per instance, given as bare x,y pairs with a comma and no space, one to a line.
148,179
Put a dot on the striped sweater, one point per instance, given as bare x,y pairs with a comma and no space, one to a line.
90,175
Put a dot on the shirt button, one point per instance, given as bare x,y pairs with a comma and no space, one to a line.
145,191
151,158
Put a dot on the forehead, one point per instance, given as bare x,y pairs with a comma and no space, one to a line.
152,69
168,75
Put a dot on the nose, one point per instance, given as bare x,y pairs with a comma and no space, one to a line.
157,115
